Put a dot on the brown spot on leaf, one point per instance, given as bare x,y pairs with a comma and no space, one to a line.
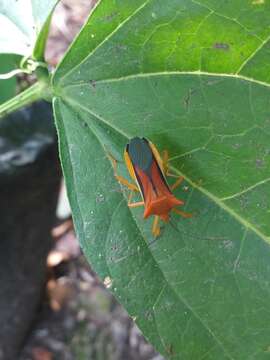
221,46
187,98
92,83
110,17
236,146
259,163
121,47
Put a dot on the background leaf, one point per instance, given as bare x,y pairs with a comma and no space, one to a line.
181,74
7,87
22,23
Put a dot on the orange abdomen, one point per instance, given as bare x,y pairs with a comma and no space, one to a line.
158,198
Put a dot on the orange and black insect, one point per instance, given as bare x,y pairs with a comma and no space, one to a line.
149,170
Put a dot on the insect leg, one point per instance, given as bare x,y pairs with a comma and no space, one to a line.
172,175
120,178
177,183
167,171
156,227
166,167
135,204
126,183
165,160
182,213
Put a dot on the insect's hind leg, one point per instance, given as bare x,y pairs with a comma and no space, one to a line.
182,213
177,183
156,227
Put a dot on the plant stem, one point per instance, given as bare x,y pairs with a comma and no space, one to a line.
35,92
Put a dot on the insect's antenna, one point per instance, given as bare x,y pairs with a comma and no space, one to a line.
192,235
173,225
112,158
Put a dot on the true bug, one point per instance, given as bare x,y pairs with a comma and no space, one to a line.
149,170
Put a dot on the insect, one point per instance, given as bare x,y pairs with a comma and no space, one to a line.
149,170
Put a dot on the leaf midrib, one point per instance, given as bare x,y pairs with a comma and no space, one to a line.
212,197
165,73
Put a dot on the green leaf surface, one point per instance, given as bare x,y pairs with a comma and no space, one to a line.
24,26
7,87
179,73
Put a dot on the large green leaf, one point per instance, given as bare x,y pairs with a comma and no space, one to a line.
182,74
24,26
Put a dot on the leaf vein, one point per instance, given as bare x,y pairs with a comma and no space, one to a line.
170,73
264,181
252,55
106,39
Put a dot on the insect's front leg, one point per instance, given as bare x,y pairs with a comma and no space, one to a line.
126,183
165,159
134,204
120,178
166,166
